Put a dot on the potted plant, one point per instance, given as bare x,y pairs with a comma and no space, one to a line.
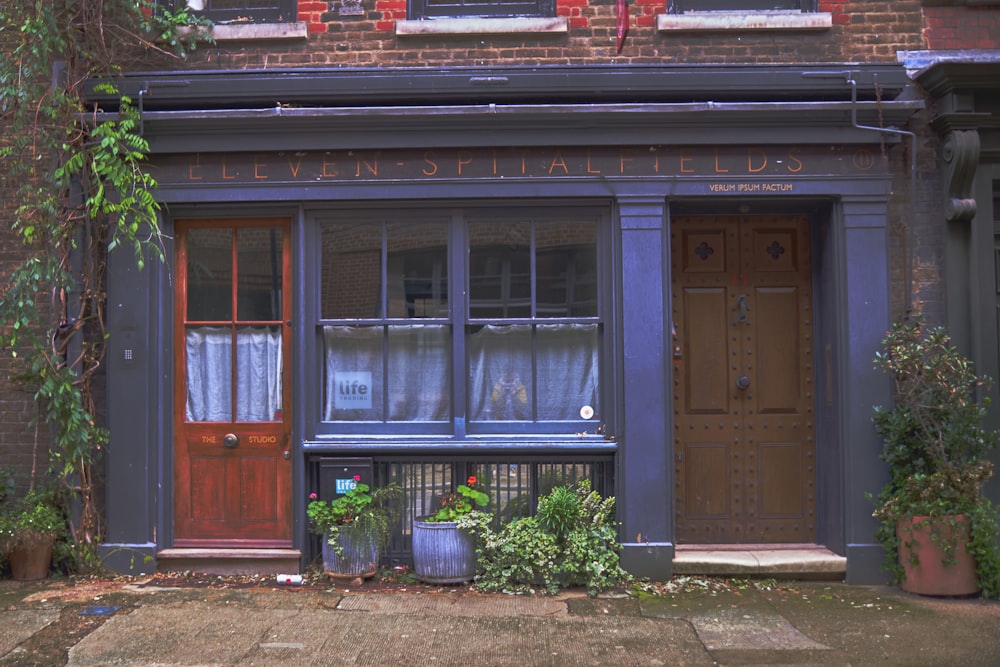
572,540
940,533
355,528
444,552
29,528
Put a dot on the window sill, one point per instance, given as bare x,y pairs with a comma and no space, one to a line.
256,32
480,26
728,21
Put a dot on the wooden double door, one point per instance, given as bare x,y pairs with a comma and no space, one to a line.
232,449
744,446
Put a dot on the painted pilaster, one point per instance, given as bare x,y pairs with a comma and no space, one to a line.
866,290
133,412
645,478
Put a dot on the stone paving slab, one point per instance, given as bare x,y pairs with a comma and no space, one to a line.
456,605
17,625
150,636
741,629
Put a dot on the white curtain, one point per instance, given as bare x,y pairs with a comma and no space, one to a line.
502,386
209,374
417,372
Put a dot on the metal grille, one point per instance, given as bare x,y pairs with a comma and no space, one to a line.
514,486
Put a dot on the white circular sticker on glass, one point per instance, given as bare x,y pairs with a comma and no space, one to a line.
586,412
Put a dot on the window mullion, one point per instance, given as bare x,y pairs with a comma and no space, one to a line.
532,282
458,311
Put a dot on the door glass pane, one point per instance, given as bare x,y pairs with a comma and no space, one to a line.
209,275
209,359
499,269
258,373
258,289
351,271
417,270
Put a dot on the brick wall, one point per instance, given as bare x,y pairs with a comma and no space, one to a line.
916,227
962,28
17,407
863,31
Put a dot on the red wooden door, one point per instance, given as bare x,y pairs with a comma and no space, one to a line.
744,449
232,445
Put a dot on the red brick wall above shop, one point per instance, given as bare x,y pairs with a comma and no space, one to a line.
962,27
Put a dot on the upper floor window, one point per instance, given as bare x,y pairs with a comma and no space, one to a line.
243,11
428,9
682,6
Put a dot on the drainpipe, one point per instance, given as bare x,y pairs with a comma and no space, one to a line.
908,256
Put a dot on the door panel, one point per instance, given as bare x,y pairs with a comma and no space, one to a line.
743,440
232,452
708,389
777,350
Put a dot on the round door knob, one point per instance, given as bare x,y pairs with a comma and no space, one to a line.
230,440
742,382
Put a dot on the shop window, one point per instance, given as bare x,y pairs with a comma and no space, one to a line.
426,9
492,321
242,11
684,6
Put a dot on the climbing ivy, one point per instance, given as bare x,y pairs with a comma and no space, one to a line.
75,189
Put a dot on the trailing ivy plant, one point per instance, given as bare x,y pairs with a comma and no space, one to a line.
75,189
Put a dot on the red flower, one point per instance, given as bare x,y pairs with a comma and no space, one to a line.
313,496
472,480
357,478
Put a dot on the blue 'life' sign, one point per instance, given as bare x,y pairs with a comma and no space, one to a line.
345,485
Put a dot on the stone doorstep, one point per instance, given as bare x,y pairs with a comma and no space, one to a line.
229,561
793,561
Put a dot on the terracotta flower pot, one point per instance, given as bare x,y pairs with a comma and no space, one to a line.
924,558
29,562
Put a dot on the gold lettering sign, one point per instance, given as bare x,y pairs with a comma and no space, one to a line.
550,163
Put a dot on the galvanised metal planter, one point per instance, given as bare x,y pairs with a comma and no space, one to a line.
442,553
360,553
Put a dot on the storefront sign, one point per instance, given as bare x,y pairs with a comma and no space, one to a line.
723,162
353,390
344,485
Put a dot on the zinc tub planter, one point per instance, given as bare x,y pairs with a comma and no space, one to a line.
359,559
442,553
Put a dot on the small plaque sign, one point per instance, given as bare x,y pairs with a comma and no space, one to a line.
345,485
353,390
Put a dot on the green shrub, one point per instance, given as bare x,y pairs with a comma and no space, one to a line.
572,541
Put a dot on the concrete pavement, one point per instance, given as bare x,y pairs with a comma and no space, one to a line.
690,621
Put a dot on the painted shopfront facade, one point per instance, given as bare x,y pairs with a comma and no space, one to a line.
675,298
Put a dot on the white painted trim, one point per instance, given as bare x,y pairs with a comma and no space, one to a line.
730,21
236,32
483,26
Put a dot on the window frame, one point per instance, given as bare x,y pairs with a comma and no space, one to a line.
281,11
743,6
457,425
422,9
